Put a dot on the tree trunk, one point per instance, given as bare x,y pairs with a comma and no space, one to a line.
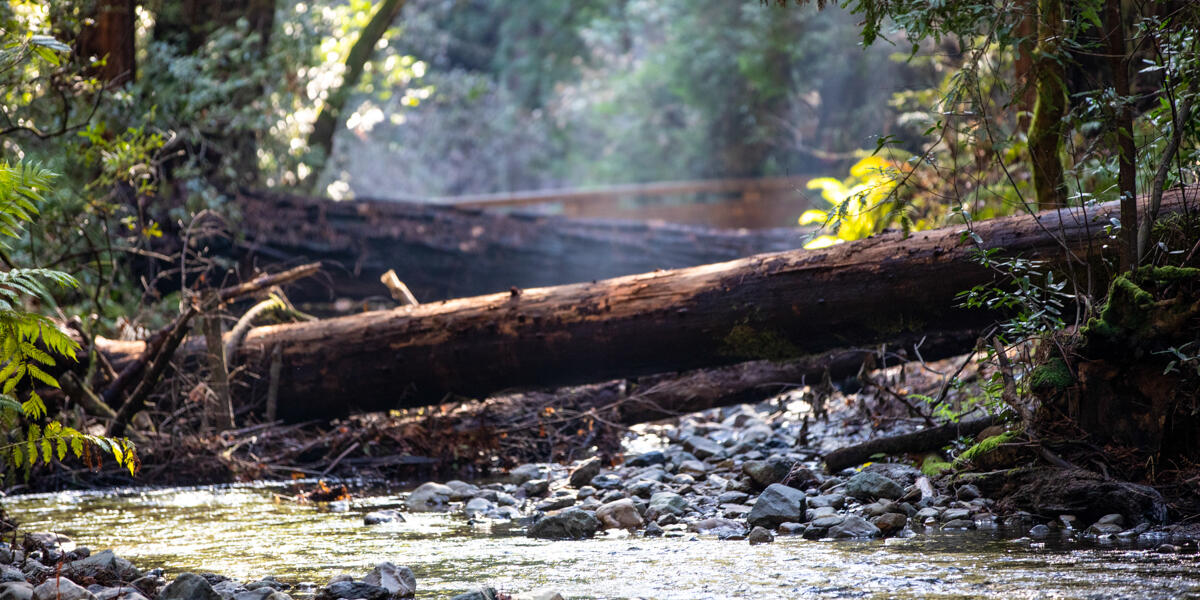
1046,130
1122,132
360,53
770,306
111,37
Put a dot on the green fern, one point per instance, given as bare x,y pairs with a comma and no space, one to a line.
29,343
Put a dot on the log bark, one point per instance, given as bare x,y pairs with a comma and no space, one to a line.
770,306
443,252
917,441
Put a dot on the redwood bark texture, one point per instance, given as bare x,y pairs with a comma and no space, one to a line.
769,306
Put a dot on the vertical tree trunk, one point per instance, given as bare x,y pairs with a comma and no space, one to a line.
331,113
1122,129
1023,66
1046,129
110,36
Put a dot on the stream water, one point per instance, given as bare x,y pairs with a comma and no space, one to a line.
246,532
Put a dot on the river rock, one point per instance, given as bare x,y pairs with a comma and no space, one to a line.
765,472
652,530
16,590
645,459
719,527
61,588
119,593
480,594
47,540
872,486
777,504
643,488
11,573
583,474
904,475
262,593
226,588
478,506
400,581
760,535
376,517
350,590
968,492
535,487
666,503
619,514
190,586
461,490
831,500
528,471
691,467
854,526
955,514
890,524
702,447
543,595
429,497
570,524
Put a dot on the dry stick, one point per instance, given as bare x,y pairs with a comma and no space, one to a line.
400,292
153,371
85,397
178,330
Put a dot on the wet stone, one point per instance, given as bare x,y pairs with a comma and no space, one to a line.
570,524
890,524
853,526
777,504
398,581
383,516
429,497
189,586
535,487
871,486
956,514
959,524
760,535
653,457
582,475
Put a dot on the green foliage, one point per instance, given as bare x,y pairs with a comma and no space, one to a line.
29,342
933,465
1051,376
1027,293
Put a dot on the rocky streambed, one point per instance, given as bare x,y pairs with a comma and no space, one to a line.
728,504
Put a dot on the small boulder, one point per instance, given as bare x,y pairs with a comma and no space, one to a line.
528,471
61,588
872,486
777,504
666,503
760,535
376,517
262,593
890,524
535,487
645,459
16,590
702,447
570,524
854,526
429,497
105,568
399,581
351,589
619,514
120,593
582,475
765,472
190,586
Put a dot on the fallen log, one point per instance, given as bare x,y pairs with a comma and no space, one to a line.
445,252
770,306
917,441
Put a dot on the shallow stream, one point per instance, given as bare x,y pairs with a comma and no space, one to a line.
246,532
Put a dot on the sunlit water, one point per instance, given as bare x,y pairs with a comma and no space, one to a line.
248,532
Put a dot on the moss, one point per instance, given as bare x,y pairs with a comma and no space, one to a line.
935,465
1053,375
744,341
983,447
1131,313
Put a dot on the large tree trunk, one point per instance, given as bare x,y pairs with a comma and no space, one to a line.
770,306
445,252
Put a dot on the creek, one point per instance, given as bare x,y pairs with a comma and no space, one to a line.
248,531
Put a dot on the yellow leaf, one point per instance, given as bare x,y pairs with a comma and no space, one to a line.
824,241
812,216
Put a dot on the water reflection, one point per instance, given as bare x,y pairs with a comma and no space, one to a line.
247,532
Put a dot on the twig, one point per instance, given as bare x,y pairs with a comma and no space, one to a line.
339,458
